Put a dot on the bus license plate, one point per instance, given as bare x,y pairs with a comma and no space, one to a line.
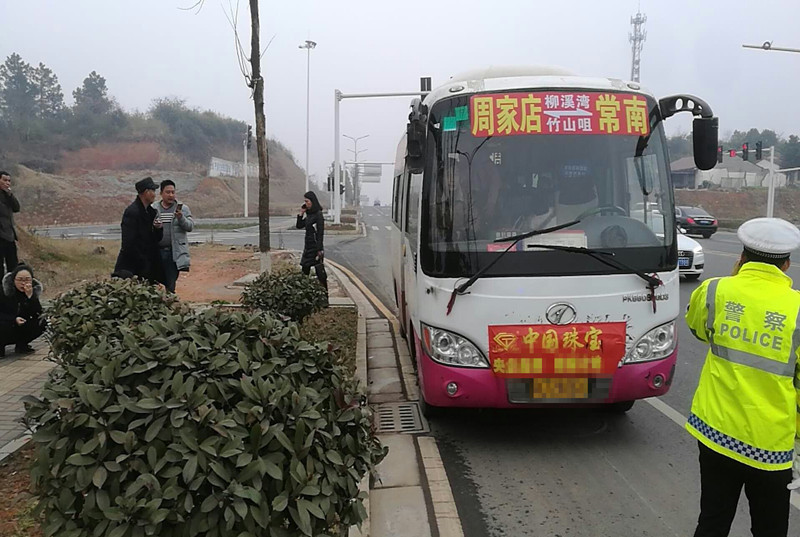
560,388
683,262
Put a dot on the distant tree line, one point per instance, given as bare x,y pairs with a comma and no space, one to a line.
37,126
787,150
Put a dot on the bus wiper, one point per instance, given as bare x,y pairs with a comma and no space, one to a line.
461,289
607,258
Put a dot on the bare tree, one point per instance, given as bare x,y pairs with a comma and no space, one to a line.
251,70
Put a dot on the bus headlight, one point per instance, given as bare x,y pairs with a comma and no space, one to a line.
451,349
657,344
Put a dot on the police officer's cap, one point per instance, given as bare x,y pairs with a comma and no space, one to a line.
769,237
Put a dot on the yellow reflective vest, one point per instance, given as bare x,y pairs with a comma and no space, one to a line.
747,402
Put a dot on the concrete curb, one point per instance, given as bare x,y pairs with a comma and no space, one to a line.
445,513
14,446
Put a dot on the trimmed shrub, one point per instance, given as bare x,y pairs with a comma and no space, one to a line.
286,292
97,308
197,424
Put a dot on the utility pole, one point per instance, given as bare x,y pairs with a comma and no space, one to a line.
246,143
637,37
355,152
771,186
308,45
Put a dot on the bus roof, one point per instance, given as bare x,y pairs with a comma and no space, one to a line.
501,78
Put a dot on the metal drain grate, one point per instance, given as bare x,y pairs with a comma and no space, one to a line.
399,418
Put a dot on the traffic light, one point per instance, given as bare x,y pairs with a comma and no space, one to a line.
732,153
330,183
341,189
719,154
745,151
249,136
759,147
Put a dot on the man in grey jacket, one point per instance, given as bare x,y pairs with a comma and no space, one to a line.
174,246
8,235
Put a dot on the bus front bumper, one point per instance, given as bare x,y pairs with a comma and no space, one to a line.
445,386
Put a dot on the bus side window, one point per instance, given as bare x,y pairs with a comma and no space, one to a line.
396,201
412,206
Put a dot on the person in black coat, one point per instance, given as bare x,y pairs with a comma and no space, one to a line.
141,233
21,318
311,219
9,205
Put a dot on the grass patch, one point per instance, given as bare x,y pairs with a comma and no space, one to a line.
61,264
337,326
340,227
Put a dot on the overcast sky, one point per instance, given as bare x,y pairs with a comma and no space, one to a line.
150,48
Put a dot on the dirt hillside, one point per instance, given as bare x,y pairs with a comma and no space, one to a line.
95,184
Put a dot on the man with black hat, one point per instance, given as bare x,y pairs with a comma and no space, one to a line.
745,410
141,233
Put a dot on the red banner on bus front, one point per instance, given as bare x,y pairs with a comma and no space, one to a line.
575,350
557,112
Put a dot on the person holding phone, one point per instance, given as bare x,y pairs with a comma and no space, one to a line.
174,245
311,219
21,319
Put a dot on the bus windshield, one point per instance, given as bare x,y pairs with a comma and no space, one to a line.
489,176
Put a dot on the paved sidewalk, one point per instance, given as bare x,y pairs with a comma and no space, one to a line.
411,495
20,375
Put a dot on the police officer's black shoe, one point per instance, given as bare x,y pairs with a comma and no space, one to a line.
24,349
3,351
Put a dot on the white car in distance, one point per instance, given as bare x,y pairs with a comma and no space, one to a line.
691,260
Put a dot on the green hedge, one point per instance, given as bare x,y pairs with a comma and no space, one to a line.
170,422
286,292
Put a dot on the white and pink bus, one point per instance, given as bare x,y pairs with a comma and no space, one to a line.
535,257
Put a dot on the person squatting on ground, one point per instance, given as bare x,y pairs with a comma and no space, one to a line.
9,205
141,233
311,219
177,220
21,319
745,410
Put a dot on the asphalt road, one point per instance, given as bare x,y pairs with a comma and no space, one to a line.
551,472
571,473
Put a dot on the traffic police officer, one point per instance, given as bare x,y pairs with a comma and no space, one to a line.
745,410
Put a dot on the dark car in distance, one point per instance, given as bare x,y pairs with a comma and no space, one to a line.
696,221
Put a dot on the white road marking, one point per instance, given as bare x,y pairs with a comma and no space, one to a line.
388,228
681,420
375,228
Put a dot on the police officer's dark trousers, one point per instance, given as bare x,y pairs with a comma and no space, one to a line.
722,479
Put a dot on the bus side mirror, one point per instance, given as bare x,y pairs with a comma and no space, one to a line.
415,137
415,156
705,135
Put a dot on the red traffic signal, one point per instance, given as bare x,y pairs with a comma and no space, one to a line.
732,153
745,151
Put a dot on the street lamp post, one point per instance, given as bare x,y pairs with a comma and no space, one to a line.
355,152
308,45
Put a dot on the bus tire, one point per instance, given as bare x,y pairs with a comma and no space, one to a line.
428,411
621,407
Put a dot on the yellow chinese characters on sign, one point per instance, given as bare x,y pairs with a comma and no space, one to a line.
483,116
636,115
608,107
580,349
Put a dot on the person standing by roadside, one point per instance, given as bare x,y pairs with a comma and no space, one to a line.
174,246
141,233
311,219
8,235
21,318
744,412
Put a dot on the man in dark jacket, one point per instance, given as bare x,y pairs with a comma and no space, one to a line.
141,233
312,220
8,235
20,310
